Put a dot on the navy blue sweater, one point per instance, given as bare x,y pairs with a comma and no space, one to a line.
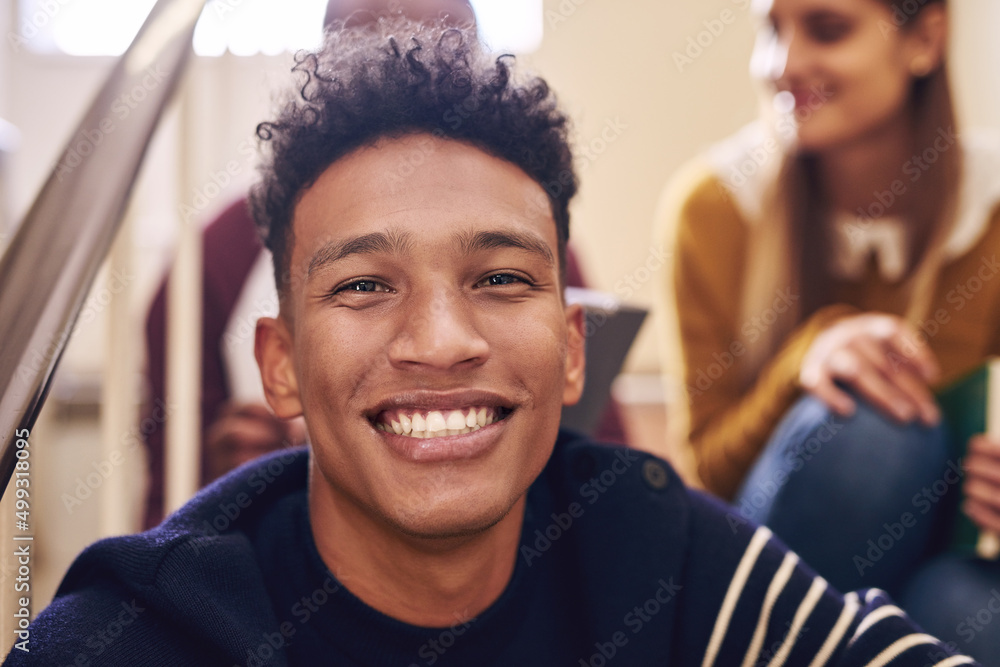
619,564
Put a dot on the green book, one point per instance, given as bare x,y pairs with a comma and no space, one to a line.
971,405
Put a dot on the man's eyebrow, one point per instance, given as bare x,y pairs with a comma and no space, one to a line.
487,240
365,244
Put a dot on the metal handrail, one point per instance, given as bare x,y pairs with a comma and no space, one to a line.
55,255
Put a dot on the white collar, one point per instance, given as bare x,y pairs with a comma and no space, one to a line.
855,241
747,162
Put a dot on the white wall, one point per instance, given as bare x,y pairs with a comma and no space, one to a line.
976,61
613,61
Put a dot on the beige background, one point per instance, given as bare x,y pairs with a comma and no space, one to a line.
611,62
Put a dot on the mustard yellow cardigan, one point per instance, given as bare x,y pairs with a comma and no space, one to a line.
732,409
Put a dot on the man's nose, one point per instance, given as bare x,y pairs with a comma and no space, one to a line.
439,331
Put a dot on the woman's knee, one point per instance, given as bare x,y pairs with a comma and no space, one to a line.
862,450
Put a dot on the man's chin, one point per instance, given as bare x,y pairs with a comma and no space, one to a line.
445,526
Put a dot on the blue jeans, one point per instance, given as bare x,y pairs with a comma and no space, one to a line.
867,503
856,497
957,599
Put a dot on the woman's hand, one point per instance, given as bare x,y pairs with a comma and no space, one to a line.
882,359
982,483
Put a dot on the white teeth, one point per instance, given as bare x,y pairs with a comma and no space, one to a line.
438,423
456,420
418,423
435,422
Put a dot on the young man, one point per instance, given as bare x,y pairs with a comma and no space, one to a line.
416,203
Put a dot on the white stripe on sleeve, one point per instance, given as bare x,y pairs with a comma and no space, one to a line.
753,550
871,619
777,585
850,610
899,646
812,597
956,660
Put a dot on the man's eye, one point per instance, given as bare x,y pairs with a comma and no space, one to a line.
498,279
363,286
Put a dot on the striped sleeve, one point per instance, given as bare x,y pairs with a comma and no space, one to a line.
768,608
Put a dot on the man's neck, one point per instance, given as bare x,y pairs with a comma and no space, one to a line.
429,582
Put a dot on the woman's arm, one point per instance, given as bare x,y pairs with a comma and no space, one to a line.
729,419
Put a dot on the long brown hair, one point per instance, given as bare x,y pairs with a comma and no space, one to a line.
927,210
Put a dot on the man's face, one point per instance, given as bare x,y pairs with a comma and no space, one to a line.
424,337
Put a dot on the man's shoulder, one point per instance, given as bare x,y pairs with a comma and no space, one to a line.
635,488
621,500
599,467
219,524
194,580
238,500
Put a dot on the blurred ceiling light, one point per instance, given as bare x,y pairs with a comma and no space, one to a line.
513,26
242,27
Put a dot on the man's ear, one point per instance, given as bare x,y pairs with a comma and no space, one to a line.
273,348
575,358
928,39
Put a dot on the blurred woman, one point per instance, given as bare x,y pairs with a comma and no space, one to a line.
833,266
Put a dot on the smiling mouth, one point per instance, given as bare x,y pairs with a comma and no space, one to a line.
427,424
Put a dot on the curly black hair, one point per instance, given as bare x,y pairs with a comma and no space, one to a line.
394,77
